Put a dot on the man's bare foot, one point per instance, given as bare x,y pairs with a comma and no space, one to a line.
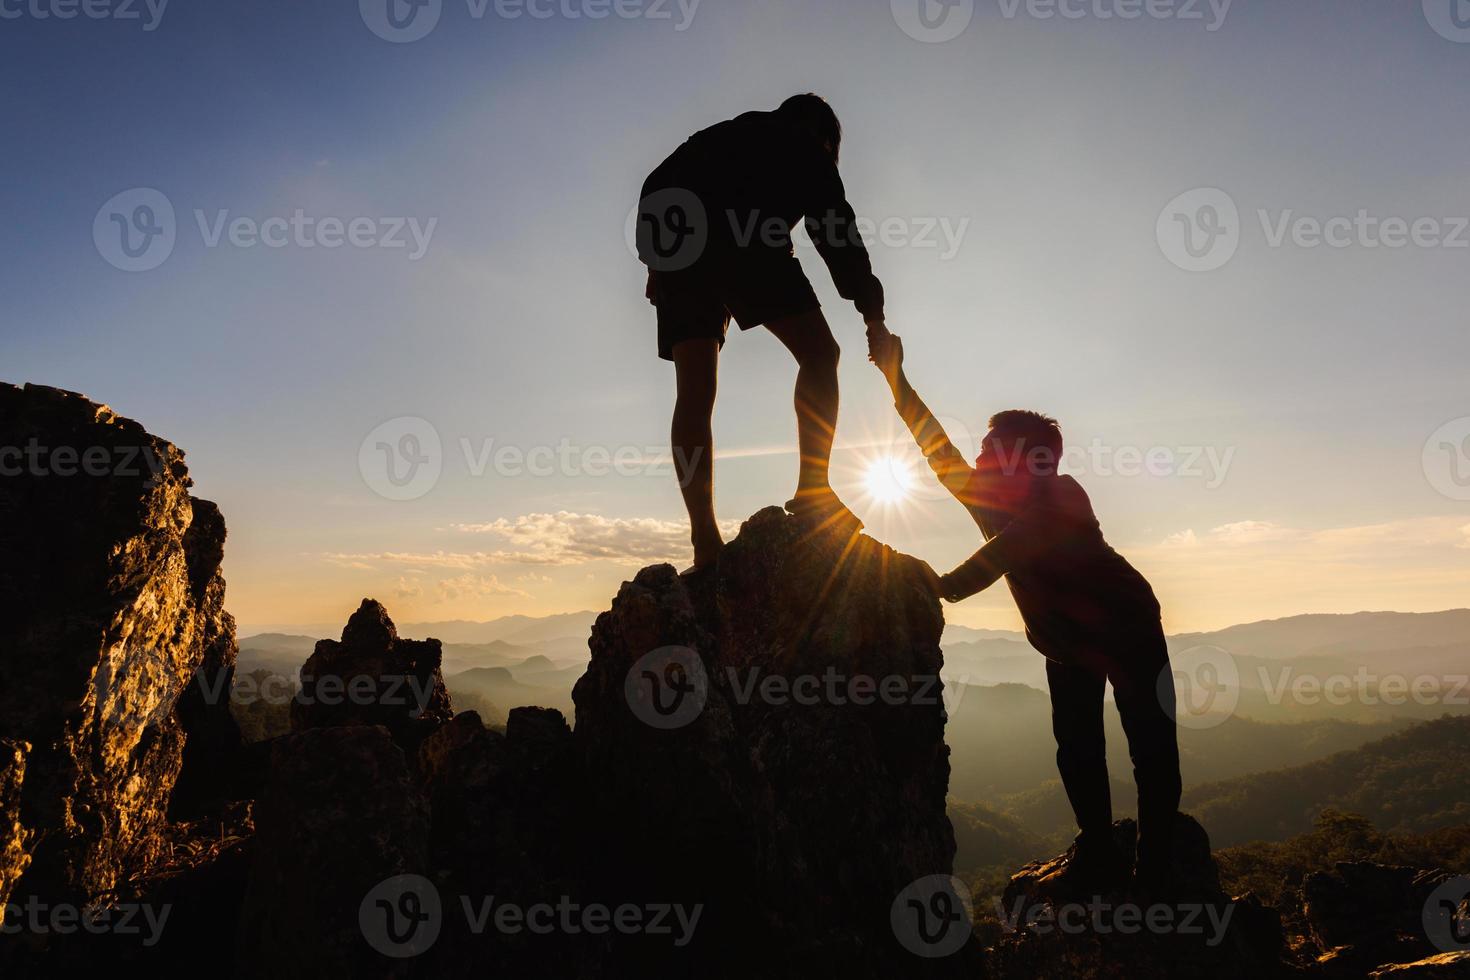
821,508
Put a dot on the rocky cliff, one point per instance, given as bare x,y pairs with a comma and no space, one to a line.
112,601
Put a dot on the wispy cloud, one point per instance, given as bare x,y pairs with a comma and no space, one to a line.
567,538
559,539
471,586
1270,569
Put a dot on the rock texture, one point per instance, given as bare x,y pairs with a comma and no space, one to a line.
1053,932
372,677
109,575
1366,916
1443,966
14,838
339,816
797,785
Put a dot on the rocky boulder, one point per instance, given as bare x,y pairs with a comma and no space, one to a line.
765,739
372,677
112,600
1195,929
1366,916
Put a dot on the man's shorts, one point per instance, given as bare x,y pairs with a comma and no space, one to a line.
753,285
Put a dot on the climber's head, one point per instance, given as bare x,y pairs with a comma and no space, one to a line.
813,114
1020,447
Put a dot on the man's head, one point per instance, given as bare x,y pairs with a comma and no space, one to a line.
1020,446
812,113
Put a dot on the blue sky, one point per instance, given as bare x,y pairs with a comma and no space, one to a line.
1313,376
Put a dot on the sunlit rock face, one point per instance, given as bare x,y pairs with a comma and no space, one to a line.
112,600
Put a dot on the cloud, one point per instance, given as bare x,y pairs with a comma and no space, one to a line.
1238,533
1261,569
406,589
566,538
551,540
470,586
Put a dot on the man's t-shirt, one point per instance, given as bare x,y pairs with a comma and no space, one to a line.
1076,594
756,176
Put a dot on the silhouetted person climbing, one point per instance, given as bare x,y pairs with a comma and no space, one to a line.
1088,611
714,228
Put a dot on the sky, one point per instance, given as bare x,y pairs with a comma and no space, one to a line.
1225,244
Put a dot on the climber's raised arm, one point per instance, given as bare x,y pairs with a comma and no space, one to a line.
944,459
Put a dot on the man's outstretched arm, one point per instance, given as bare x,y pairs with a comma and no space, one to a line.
831,224
944,459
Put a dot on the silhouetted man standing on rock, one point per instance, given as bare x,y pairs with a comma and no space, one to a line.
1088,611
714,228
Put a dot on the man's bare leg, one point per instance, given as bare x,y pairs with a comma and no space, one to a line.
696,364
810,341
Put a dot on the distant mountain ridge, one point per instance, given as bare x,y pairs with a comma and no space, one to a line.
515,629
1329,633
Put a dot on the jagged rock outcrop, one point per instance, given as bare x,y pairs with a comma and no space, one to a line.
1366,917
372,677
766,739
112,599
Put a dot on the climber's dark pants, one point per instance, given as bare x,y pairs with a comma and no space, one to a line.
1142,684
